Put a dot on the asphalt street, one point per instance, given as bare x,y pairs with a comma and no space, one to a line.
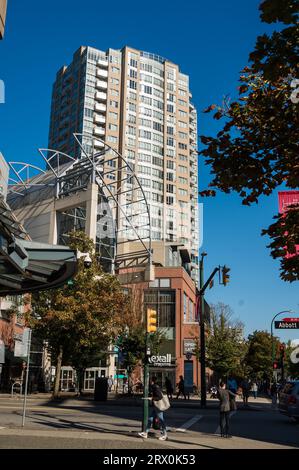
74,424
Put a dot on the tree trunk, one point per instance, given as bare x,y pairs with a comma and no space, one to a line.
57,373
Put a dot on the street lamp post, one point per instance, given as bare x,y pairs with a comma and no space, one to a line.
272,339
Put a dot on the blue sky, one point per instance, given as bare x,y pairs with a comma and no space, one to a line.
211,42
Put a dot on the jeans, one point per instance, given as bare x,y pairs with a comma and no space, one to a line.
156,413
224,422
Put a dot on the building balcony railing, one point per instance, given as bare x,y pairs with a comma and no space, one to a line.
98,144
103,63
100,96
99,131
99,119
102,73
101,85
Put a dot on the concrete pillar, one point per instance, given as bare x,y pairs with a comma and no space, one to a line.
91,211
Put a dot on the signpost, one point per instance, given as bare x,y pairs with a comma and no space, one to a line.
287,324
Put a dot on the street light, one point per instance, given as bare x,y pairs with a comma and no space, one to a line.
272,341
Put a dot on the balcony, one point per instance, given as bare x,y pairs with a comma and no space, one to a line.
98,144
100,107
101,85
100,131
102,62
100,96
102,73
99,119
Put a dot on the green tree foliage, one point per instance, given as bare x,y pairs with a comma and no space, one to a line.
257,149
78,321
225,347
259,355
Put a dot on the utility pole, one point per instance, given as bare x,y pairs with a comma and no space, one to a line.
203,391
151,327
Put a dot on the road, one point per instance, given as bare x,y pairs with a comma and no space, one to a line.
72,424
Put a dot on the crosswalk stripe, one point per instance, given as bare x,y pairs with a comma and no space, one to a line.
189,423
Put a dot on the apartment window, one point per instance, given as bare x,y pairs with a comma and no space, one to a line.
132,95
182,102
158,115
114,92
169,200
170,86
157,161
158,138
170,141
183,180
157,197
158,93
114,81
157,173
145,123
170,130
170,153
132,107
145,111
133,63
146,100
170,97
113,127
131,130
183,158
157,126
145,146
157,185
158,104
146,89
158,149
133,84
112,139
182,113
145,134
170,164
146,67
145,182
183,124
114,104
144,169
113,115
133,73
171,119
170,188
114,69
170,177
182,169
182,192
183,135
132,119
143,157
146,78
131,154
182,146
170,108
182,92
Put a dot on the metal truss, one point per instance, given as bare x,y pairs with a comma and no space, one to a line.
23,173
119,189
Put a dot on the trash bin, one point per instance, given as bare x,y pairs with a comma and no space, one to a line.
101,389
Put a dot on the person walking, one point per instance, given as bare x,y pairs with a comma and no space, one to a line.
224,397
169,388
254,389
156,395
181,388
110,383
273,392
245,391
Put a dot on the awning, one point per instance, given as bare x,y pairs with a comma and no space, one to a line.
27,266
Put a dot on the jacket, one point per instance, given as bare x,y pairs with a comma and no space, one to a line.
224,396
156,393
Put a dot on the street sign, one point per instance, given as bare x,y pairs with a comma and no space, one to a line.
287,325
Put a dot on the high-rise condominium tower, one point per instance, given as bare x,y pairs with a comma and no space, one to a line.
140,104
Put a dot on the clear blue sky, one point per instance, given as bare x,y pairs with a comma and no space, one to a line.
211,42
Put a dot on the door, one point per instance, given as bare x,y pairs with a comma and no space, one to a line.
188,376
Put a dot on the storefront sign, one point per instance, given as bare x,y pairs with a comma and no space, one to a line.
189,346
160,360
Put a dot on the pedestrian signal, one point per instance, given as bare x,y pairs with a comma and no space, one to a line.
225,275
151,320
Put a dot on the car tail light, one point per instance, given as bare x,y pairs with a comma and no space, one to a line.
292,400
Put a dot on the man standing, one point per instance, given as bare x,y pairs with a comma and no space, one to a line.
225,397
181,387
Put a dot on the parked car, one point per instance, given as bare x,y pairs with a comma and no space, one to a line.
289,399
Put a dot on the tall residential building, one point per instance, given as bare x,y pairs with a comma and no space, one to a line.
3,5
140,104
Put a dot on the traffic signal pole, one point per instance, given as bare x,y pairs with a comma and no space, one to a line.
203,391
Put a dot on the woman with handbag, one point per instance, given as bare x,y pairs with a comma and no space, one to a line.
159,403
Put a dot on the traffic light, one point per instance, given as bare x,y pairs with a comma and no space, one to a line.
225,275
151,320
275,365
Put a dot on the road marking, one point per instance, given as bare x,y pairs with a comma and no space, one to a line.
189,423
219,429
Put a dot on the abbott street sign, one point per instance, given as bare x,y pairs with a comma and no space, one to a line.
287,324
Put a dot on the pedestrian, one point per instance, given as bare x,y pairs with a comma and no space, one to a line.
254,389
232,387
110,383
224,397
273,392
181,388
156,395
245,391
169,388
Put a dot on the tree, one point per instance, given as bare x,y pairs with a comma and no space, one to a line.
257,149
259,355
80,319
224,345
